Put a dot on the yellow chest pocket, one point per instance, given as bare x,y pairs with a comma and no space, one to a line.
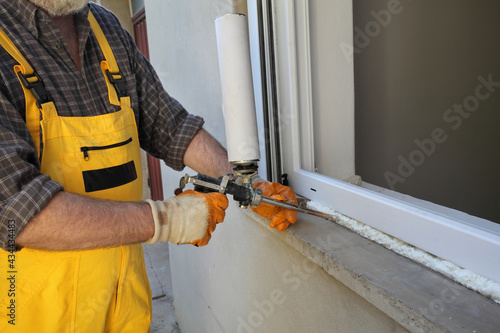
97,156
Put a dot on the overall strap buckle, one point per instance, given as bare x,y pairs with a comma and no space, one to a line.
36,87
119,82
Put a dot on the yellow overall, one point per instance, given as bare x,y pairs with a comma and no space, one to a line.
103,290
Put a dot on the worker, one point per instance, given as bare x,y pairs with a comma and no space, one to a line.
77,101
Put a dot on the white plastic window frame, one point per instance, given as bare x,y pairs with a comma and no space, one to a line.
467,241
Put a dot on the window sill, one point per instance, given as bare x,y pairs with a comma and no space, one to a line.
416,297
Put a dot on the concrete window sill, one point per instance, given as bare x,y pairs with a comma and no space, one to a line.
416,297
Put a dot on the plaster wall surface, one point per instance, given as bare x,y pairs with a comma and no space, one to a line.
246,279
183,51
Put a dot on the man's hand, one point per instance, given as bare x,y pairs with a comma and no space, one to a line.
280,217
190,217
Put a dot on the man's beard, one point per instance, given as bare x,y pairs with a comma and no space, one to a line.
60,7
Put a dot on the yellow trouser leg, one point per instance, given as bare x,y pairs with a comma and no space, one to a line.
83,291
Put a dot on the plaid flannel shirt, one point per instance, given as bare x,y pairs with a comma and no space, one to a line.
165,127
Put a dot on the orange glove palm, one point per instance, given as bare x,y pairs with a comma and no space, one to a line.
217,204
188,218
280,217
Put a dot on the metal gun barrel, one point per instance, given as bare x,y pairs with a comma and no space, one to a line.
288,205
215,185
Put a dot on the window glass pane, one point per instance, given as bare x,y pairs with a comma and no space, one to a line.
136,5
427,96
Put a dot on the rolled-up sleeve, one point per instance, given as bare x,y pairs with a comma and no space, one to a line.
24,191
166,128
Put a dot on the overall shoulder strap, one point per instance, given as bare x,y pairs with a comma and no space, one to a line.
34,90
117,87
9,46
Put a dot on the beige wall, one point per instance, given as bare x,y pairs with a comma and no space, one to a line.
246,280
121,9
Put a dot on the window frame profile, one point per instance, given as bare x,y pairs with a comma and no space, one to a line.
467,241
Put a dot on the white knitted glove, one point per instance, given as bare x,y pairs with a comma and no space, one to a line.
190,217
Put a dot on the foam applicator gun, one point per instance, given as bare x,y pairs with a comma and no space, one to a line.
245,194
238,105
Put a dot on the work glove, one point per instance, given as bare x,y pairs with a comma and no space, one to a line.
280,217
188,218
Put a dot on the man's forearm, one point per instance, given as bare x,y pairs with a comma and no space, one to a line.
206,155
74,222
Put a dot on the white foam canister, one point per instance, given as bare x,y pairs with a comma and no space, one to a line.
237,88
